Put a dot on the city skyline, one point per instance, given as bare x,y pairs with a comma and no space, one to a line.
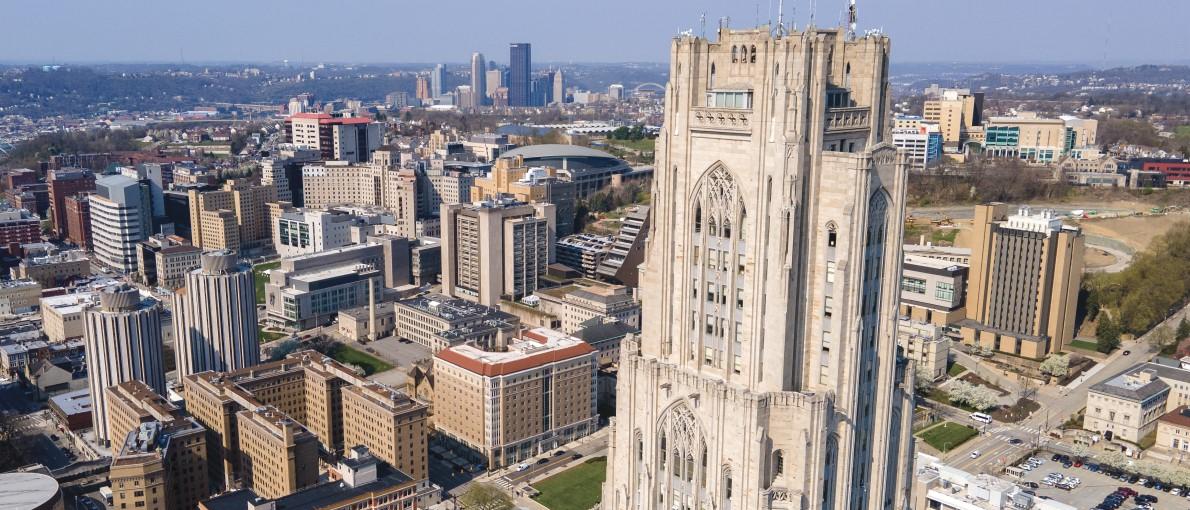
1092,34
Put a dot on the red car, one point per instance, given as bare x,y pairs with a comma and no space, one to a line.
1128,492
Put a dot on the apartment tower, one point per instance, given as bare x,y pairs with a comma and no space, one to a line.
215,316
496,249
767,373
122,343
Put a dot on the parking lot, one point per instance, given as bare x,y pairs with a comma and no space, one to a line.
1094,487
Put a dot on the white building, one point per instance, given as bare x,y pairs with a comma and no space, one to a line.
123,343
303,231
215,324
938,486
119,220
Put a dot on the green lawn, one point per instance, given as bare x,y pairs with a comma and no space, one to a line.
269,336
370,364
644,145
262,278
1085,345
947,435
577,488
955,370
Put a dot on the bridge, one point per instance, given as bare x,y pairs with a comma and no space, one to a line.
641,87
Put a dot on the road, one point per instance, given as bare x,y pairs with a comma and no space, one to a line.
1123,259
967,212
1058,404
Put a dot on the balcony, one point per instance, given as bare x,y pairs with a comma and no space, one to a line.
847,119
732,120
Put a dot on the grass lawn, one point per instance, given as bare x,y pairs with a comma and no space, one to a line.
955,370
1085,345
947,435
946,236
370,364
643,145
269,336
574,489
261,278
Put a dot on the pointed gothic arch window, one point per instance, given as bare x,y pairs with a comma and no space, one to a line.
727,229
698,218
752,54
734,54
712,228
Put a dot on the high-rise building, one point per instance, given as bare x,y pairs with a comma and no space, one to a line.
511,178
78,220
423,89
232,218
350,139
559,88
957,112
284,172
493,81
479,79
120,218
123,343
515,400
542,90
496,248
767,372
1026,271
615,91
63,183
19,226
438,80
163,261
520,67
215,326
466,96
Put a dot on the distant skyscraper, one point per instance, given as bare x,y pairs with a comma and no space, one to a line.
615,91
123,343
438,80
479,89
542,90
215,317
495,80
423,88
520,64
559,93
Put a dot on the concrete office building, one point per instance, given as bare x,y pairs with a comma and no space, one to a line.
479,86
437,80
1025,273
495,249
510,178
285,400
926,346
19,296
350,139
215,325
123,343
55,270
78,221
520,68
933,290
937,486
437,321
283,171
63,183
379,183
517,400
1034,139
62,316
163,261
1127,405
309,290
305,231
577,303
161,462
628,249
770,282
119,219
584,252
234,217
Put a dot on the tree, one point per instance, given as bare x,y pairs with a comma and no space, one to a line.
979,397
1162,337
482,496
1056,365
1107,333
1113,459
1183,329
921,380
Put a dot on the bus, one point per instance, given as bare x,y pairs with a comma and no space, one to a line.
980,417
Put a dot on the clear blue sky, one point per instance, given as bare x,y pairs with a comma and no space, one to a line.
1084,31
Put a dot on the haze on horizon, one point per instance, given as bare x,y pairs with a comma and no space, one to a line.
1091,32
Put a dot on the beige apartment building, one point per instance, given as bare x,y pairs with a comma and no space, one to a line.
278,456
1127,405
956,111
583,300
516,401
926,346
54,270
1025,273
19,296
380,183
235,217
308,390
159,456
496,249
933,290
62,316
436,321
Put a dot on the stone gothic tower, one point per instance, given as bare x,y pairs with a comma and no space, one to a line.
767,374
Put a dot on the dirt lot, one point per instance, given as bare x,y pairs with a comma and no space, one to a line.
1094,258
1135,231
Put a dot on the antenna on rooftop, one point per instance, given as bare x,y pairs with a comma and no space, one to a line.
780,18
852,18
702,20
813,8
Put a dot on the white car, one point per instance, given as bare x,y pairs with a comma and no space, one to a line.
975,454
522,466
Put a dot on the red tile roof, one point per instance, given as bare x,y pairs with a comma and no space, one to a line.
516,365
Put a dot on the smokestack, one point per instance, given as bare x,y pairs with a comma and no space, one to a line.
372,309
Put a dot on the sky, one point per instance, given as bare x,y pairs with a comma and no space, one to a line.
1093,32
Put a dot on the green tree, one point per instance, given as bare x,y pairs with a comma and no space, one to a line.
1056,365
1108,334
1183,329
482,496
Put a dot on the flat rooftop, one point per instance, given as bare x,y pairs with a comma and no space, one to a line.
535,348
